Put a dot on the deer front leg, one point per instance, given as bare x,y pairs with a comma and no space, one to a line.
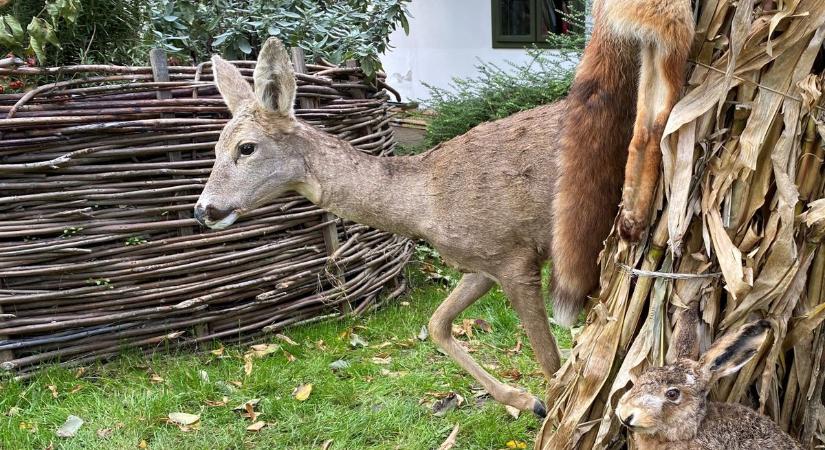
471,288
663,60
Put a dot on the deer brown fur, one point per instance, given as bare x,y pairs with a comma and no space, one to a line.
481,199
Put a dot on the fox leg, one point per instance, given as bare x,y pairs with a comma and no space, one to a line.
664,51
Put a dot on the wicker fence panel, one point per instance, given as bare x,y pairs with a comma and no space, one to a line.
99,173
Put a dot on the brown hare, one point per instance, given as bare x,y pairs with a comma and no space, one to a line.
667,408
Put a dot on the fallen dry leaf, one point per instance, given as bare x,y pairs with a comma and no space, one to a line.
250,412
218,351
104,433
382,361
53,389
357,341
320,345
261,350
286,339
155,378
326,445
143,444
242,407
76,389
513,374
423,333
255,427
517,349
289,356
214,403
236,383
390,374
13,411
179,418
79,372
247,365
405,303
70,427
301,393
447,404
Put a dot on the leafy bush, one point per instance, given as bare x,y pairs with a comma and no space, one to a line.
498,93
337,30
64,32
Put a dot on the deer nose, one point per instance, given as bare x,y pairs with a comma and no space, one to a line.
199,214
210,213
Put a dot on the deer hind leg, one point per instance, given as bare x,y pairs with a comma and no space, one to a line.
660,80
524,293
471,288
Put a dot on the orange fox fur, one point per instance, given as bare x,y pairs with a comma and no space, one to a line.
636,55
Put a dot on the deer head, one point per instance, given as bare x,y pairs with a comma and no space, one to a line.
258,156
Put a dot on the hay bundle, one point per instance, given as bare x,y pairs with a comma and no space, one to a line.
741,216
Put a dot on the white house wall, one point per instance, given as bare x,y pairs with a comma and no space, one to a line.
447,39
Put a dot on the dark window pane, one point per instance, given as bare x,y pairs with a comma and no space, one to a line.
555,17
515,17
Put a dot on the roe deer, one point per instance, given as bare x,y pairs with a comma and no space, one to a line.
481,199
667,408
596,131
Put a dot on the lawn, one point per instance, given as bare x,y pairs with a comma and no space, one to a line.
380,397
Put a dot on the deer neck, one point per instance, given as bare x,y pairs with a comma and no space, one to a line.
381,192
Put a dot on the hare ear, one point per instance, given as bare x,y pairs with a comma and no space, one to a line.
231,84
685,339
275,79
734,350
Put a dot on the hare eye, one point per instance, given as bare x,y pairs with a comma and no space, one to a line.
672,394
246,149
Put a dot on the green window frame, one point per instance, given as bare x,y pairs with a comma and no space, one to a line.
533,36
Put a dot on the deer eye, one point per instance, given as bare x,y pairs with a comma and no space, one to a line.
246,149
672,394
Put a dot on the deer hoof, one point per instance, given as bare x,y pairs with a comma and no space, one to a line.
539,409
631,227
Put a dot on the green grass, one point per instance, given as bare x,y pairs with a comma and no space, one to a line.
361,407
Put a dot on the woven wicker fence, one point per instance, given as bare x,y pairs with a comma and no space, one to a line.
99,173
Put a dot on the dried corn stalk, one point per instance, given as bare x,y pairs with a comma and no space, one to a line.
742,206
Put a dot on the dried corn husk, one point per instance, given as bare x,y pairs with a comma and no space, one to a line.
743,189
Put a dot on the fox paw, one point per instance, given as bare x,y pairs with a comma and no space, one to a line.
631,227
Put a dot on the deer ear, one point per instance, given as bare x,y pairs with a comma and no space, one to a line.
275,79
231,84
734,350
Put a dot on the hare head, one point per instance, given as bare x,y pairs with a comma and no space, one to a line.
258,155
669,403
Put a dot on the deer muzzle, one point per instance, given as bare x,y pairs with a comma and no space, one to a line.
214,218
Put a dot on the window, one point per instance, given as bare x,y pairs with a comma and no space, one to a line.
522,23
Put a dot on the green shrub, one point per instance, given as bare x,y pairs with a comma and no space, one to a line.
337,30
498,93
65,32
